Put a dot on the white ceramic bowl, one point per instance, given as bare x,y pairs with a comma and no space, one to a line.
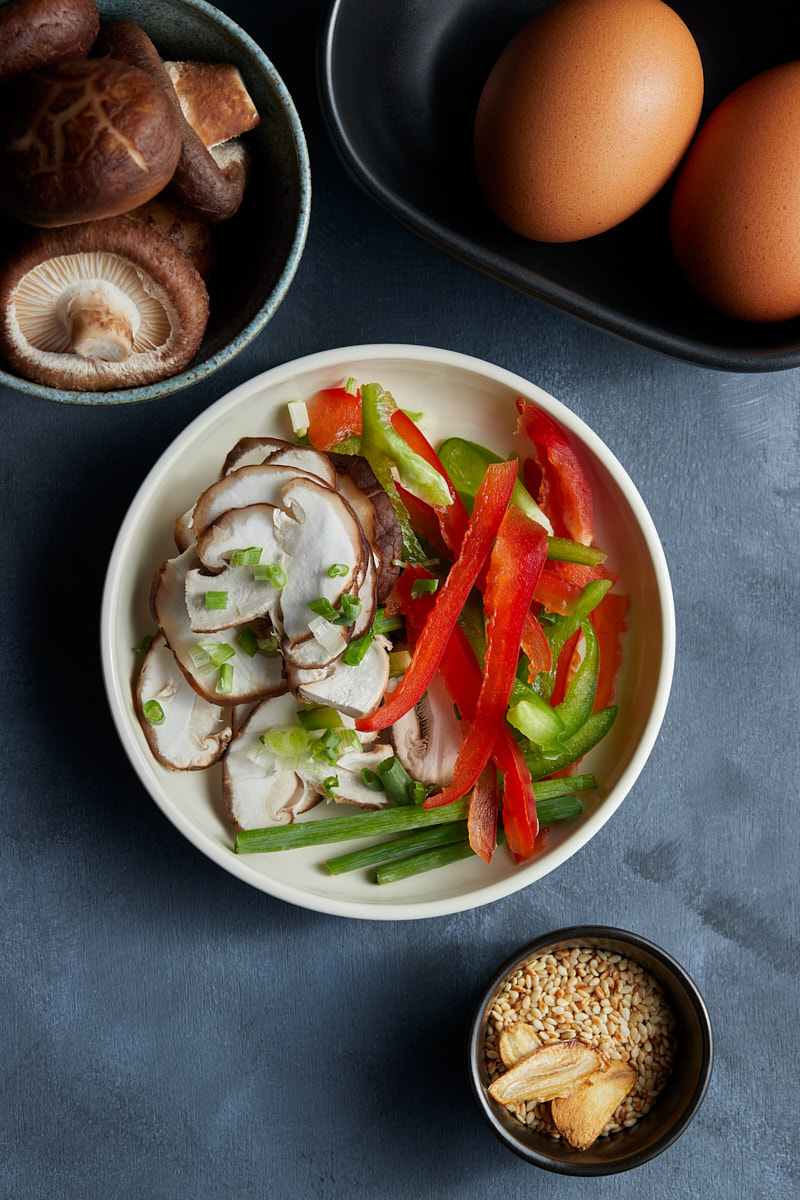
458,395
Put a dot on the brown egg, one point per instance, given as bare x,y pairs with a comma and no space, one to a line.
735,217
585,116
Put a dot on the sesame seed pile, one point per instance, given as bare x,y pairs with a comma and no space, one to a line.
596,997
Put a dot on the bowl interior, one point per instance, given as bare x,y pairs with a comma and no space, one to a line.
674,1108
257,251
413,153
457,395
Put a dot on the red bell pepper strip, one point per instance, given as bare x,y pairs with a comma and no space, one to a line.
564,492
557,594
563,669
536,647
610,622
333,415
482,817
453,518
491,504
514,569
462,675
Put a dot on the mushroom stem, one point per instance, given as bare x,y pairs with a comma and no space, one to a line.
100,320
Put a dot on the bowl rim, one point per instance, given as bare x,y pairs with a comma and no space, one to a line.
574,934
194,374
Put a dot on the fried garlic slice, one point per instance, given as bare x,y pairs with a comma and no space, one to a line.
582,1116
517,1041
551,1071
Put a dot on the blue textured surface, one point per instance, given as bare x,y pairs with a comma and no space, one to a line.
168,1032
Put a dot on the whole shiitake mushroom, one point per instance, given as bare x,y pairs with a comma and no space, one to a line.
84,140
42,33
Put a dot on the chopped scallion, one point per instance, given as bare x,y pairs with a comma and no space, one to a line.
216,600
289,742
424,587
399,662
319,717
268,643
337,570
298,415
356,651
329,784
246,558
328,636
153,712
351,386
248,641
351,607
323,608
371,780
272,572
144,644
225,682
396,780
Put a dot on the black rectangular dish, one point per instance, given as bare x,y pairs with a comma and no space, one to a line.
399,85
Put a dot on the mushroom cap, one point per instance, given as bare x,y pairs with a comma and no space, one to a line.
41,33
210,190
84,140
194,733
170,296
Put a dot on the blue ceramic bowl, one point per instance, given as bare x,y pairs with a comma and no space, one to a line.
260,248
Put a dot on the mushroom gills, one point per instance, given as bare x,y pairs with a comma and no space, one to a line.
93,304
428,738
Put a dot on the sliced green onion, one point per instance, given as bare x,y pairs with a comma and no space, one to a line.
371,780
268,643
319,717
351,386
329,784
153,712
349,741
356,651
216,600
384,624
288,742
272,572
248,641
419,792
397,782
399,662
336,570
351,608
327,746
247,558
298,415
323,608
144,644
225,682
424,587
327,634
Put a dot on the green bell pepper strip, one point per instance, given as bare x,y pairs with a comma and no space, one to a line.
466,463
541,765
384,448
561,629
578,704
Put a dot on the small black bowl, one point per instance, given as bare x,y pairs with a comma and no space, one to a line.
683,1092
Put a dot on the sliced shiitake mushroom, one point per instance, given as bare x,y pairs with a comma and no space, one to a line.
42,33
107,304
211,189
84,140
184,731
187,233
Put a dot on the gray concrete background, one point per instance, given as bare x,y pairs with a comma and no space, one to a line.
167,1031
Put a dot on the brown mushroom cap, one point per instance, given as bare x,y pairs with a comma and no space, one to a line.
42,33
214,192
84,140
50,332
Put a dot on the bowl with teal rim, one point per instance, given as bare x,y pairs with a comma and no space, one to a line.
258,250
671,1110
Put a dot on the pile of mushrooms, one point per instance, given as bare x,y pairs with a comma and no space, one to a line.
126,162
282,531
